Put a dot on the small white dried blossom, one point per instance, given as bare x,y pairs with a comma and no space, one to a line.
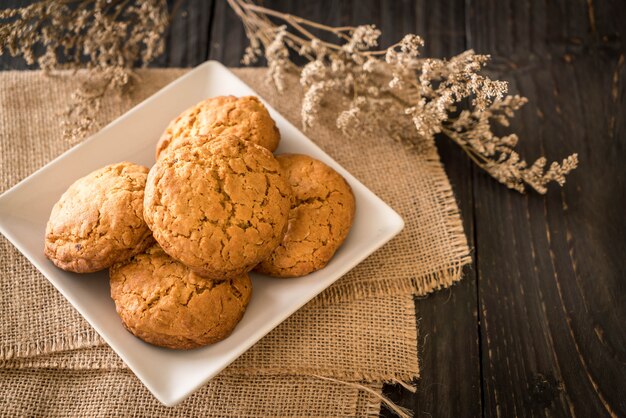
277,55
252,52
312,72
371,65
411,44
312,100
363,37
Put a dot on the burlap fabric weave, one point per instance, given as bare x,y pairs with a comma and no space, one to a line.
63,393
363,328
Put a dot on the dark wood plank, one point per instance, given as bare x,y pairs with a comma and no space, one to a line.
228,39
187,38
449,349
551,268
450,382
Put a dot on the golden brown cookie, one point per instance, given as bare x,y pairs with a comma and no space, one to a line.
319,221
220,207
164,303
99,220
244,117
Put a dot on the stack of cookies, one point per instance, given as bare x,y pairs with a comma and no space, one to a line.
180,238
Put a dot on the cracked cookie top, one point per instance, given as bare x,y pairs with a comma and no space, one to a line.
219,207
165,303
99,220
244,117
319,220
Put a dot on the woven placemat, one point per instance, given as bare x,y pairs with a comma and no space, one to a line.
427,255
62,393
372,340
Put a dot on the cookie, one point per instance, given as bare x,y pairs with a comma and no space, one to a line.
219,207
319,220
164,303
244,117
99,220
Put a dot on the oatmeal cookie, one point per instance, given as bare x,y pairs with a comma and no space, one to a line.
164,303
99,220
244,117
219,207
319,221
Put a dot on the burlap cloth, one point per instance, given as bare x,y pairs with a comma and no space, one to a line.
362,329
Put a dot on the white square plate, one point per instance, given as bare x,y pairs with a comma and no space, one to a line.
25,208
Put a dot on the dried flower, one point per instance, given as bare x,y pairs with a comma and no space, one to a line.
109,37
277,56
410,98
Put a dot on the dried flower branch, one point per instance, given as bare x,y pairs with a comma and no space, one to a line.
395,90
109,37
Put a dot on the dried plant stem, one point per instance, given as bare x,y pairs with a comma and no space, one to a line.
295,21
478,159
107,37
389,90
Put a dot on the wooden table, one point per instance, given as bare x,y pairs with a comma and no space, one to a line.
538,325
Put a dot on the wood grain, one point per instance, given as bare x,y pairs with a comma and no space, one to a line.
450,381
188,35
551,268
